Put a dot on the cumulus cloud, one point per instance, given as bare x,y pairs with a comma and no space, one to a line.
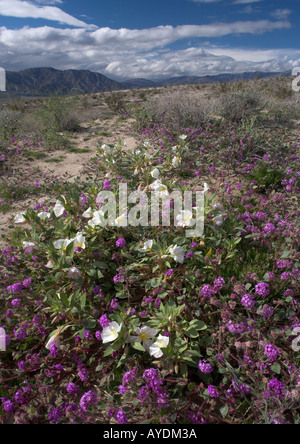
126,53
25,9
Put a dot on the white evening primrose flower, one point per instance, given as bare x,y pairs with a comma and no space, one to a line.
155,173
219,220
184,219
218,206
106,149
121,221
147,246
159,187
19,218
155,348
62,243
54,340
144,335
111,332
50,264
183,137
97,220
176,161
74,273
79,241
88,213
177,253
58,209
44,215
30,245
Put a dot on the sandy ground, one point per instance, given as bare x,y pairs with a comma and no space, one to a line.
75,164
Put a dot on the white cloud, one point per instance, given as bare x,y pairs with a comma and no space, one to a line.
24,9
125,53
281,14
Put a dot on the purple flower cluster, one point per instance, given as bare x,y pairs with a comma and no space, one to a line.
88,399
205,367
271,352
121,417
248,300
237,328
121,243
154,387
207,291
212,391
277,387
262,289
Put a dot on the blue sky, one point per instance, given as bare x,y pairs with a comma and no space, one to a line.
152,39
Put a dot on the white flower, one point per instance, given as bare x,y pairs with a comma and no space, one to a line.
79,241
183,137
218,220
159,187
111,332
217,206
88,213
50,264
53,340
177,253
98,219
62,243
184,218
19,218
30,245
147,246
74,273
121,221
106,149
206,187
58,209
144,335
44,215
155,173
176,161
155,349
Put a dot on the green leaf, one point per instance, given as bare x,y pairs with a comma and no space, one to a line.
276,368
224,411
198,325
138,346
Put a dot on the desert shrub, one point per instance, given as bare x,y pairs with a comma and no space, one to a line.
61,114
115,102
184,108
266,176
238,105
9,121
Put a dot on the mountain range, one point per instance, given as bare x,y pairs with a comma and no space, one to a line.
37,82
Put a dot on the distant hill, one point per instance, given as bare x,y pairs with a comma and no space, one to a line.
221,78
49,81
37,82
